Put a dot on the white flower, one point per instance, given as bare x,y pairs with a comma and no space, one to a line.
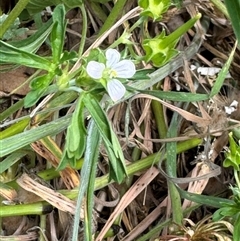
115,68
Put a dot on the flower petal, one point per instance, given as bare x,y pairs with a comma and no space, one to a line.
115,89
113,57
124,69
95,69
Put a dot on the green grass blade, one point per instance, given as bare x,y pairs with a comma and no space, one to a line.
13,55
222,74
34,42
12,159
18,141
176,96
233,8
87,173
171,170
204,199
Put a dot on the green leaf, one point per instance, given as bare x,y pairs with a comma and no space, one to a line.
66,56
161,49
179,31
65,161
233,8
236,231
14,128
94,141
12,159
154,8
120,165
117,169
32,97
222,74
14,30
175,96
13,143
229,211
204,199
233,155
114,151
88,173
41,81
156,53
230,162
76,137
99,116
39,86
217,215
171,169
58,32
142,74
34,42
36,6
13,55
73,3
226,211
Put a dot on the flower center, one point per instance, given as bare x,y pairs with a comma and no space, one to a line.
112,73
109,73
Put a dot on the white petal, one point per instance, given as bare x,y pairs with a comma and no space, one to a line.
116,89
113,57
95,69
124,69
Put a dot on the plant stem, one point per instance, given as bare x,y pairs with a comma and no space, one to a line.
21,4
118,7
84,30
37,208
42,207
220,6
236,178
15,128
159,118
12,109
43,220
148,161
98,10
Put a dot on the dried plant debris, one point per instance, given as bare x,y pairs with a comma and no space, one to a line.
135,123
